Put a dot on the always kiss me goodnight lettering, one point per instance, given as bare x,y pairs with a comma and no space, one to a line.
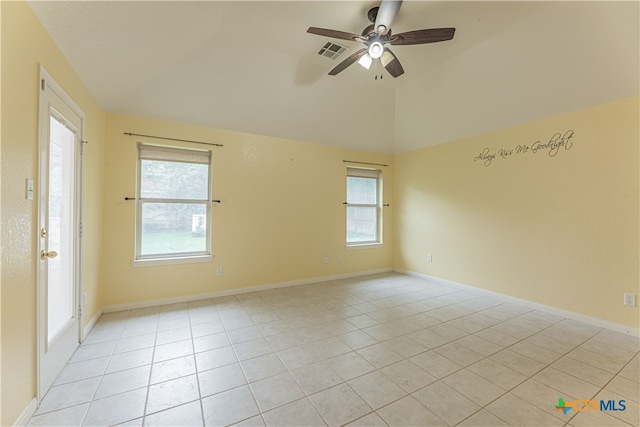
557,143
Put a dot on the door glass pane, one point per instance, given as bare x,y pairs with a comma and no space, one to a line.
60,238
173,228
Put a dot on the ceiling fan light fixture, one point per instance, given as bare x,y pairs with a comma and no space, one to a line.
376,50
386,58
365,60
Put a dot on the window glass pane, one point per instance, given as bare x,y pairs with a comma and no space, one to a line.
362,224
174,180
362,190
173,228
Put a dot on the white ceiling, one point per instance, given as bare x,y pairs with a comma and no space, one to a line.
251,66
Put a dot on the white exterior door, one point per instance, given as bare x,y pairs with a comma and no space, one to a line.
59,228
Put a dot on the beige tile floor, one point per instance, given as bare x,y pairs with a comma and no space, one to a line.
379,350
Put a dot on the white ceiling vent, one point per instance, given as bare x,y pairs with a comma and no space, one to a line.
332,50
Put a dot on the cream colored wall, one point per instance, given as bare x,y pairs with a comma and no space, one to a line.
0,216
281,213
561,231
26,45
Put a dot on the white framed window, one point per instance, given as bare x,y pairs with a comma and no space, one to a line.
173,204
364,207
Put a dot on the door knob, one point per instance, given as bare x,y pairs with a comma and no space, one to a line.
45,254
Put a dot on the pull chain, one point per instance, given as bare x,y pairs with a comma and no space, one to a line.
376,72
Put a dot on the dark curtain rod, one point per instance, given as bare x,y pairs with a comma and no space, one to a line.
174,139
365,163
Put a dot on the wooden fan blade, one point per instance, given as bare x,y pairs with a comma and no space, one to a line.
342,35
350,60
386,14
430,35
391,63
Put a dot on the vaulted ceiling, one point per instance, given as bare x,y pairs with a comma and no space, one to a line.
251,66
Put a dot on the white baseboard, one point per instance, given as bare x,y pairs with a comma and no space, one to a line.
265,287
28,412
91,324
595,321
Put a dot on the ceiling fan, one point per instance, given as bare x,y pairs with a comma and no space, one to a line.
376,35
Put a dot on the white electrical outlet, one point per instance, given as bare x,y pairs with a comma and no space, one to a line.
325,260
429,258
630,299
219,271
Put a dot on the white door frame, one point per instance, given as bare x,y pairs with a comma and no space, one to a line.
48,84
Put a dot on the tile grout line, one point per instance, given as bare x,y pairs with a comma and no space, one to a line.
195,364
153,355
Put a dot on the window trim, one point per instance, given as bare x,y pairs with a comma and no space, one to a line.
158,152
170,261
372,174
358,246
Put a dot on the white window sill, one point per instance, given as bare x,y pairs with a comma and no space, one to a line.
356,246
169,261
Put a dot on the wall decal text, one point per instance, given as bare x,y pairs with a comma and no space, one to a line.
558,142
